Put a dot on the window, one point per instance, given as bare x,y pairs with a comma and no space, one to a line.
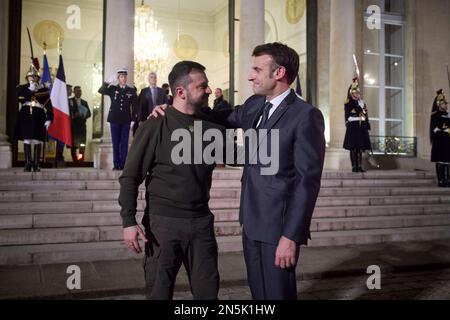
384,70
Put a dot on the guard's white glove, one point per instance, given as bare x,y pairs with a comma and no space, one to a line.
32,86
447,130
112,79
436,130
47,124
132,124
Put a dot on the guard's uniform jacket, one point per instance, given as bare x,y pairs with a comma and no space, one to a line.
440,137
35,111
358,126
124,104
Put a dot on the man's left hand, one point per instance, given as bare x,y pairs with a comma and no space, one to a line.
286,254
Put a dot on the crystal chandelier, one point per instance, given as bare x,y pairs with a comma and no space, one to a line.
151,52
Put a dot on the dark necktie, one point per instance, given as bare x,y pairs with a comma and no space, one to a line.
265,115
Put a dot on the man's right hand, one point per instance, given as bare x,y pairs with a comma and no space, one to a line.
158,111
130,236
111,79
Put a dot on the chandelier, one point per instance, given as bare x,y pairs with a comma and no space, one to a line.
151,52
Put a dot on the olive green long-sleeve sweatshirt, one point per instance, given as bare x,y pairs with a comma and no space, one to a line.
173,190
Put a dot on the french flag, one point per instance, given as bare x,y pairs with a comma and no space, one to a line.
60,129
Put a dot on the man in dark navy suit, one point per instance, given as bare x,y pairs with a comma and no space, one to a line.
151,97
122,114
276,210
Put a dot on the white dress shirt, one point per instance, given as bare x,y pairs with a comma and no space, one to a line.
275,104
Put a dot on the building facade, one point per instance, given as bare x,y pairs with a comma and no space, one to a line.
401,46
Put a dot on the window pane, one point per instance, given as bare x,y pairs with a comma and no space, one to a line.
394,6
371,69
394,104
371,41
394,129
394,39
375,128
371,97
394,72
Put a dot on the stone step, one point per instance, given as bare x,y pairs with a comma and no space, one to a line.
60,220
229,173
116,250
357,237
381,200
9,208
82,252
89,195
60,185
112,232
92,174
93,219
216,193
371,211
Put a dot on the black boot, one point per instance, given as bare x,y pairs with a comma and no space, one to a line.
359,157
354,159
440,175
27,154
37,157
446,176
73,152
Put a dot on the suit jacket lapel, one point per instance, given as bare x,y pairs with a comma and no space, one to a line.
276,116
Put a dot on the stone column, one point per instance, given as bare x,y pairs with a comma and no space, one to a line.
342,48
5,146
119,52
251,34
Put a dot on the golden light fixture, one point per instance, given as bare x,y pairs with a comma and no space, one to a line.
151,53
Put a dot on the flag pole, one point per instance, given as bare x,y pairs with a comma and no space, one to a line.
44,147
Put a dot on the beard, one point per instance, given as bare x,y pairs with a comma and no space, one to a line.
198,103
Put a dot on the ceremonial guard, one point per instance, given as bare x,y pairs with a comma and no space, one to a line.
35,116
440,139
357,137
79,113
122,114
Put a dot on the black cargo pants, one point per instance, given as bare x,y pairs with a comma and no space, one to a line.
176,241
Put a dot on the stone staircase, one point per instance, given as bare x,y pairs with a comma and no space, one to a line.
73,215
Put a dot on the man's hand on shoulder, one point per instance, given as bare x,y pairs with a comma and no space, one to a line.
158,111
286,254
130,236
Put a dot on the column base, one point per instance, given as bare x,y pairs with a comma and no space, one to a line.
5,153
103,158
337,159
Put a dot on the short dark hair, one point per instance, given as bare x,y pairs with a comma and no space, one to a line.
165,85
283,56
76,87
179,76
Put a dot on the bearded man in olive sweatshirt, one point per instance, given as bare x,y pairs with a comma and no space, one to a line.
179,226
